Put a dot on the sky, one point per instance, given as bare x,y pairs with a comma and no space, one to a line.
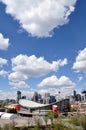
42,47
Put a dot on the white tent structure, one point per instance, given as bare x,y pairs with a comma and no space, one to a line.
1,113
8,116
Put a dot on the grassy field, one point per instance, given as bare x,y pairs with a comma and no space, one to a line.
76,122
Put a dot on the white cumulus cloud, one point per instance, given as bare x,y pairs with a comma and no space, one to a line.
53,81
3,73
39,18
4,42
80,78
20,84
80,63
8,94
3,62
24,66
13,94
17,76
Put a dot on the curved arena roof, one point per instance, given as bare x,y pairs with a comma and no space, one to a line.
63,105
30,104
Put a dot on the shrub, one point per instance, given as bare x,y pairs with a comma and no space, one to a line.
36,127
6,127
23,128
83,121
75,121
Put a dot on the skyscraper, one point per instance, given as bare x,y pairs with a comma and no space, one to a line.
18,96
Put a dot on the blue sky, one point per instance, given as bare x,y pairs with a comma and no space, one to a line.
42,47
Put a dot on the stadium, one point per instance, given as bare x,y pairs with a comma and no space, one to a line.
30,108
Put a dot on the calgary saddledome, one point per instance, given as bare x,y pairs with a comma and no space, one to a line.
63,105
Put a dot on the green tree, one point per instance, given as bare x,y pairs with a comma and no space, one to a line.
51,115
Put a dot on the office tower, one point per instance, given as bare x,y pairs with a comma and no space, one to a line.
74,93
18,96
46,98
35,97
84,95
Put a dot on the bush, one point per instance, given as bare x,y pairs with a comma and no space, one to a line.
23,128
83,121
75,121
6,127
36,127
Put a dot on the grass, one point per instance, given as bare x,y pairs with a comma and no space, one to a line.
59,124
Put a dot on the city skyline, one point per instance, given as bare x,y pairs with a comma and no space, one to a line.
42,47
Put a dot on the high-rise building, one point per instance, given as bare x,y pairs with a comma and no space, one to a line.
84,95
74,94
40,100
52,99
46,99
18,96
35,97
23,97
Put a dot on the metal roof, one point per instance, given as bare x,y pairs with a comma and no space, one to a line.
30,104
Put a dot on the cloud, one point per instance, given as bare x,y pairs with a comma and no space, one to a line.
3,62
13,94
39,18
4,42
3,73
52,91
53,85
17,76
53,81
80,78
80,63
24,66
64,92
8,94
20,84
